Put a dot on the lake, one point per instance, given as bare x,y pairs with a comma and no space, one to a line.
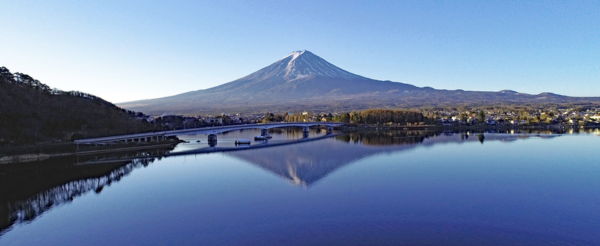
359,188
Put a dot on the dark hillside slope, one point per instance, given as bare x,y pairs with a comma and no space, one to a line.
31,112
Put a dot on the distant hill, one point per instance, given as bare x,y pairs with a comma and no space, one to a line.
31,111
305,81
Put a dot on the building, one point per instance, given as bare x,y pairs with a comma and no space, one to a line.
213,120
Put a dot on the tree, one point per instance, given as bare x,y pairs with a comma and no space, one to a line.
463,117
345,118
30,111
481,116
269,117
523,115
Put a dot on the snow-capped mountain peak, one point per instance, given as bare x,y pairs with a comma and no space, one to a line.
300,64
294,54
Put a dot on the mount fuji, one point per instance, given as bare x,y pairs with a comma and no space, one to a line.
305,81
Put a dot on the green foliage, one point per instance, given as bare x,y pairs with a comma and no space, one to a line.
344,118
464,117
481,116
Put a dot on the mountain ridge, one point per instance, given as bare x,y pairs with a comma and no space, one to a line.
302,80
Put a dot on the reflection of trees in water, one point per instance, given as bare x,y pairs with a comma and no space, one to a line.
27,210
302,164
481,138
305,163
291,133
382,138
385,138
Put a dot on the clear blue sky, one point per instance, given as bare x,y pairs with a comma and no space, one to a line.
129,50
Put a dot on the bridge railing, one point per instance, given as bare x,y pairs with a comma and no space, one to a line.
120,137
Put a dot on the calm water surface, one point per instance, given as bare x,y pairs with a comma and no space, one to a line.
385,188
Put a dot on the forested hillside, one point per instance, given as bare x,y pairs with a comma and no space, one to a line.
31,111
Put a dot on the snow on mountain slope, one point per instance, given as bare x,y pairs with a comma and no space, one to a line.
301,74
303,63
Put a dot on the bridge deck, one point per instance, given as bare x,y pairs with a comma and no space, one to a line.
202,130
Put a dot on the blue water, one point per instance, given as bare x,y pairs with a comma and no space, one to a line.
439,190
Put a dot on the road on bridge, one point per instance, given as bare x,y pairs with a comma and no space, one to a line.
161,135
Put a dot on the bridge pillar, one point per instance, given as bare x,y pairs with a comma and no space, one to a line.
212,140
305,131
264,132
329,129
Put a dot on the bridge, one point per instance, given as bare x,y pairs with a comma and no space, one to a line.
210,131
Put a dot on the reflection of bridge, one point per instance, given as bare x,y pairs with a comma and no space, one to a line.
211,131
207,150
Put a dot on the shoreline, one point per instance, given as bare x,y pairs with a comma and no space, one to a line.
40,156
358,127
43,152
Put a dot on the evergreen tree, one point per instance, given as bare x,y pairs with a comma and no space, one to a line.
481,116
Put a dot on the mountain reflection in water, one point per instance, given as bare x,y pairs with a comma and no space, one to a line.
306,163
27,190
